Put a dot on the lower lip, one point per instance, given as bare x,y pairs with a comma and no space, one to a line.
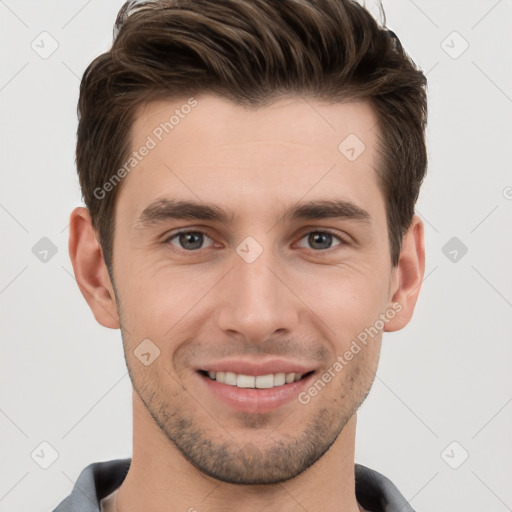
256,400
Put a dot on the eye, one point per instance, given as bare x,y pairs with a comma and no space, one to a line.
189,240
321,240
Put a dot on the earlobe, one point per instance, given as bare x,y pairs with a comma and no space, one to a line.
90,270
409,276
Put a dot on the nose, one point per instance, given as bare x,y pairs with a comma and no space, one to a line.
257,299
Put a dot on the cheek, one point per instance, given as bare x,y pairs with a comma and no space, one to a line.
158,300
348,298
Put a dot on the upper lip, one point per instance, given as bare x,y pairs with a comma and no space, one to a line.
257,367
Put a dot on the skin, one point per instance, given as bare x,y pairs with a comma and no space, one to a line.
300,300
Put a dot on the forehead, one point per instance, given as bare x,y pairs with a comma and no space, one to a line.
216,121
209,148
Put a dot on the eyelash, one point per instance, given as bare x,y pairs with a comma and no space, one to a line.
342,242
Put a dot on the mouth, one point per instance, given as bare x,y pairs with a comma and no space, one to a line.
256,394
268,381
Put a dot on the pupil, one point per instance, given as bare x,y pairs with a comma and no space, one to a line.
315,238
187,240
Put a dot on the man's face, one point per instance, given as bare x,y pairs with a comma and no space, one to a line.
260,292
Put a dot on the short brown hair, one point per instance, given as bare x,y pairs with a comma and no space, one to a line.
251,51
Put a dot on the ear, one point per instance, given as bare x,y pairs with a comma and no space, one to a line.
90,270
408,276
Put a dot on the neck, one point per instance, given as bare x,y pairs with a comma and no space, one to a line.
161,479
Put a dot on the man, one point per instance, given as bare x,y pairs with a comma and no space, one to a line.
250,170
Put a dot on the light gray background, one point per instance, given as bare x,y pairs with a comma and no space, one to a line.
446,377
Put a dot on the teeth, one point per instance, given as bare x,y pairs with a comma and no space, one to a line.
230,378
279,379
250,381
264,381
245,381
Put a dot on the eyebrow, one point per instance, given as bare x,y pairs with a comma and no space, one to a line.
163,210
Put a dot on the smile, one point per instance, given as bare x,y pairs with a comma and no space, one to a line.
254,393
270,380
